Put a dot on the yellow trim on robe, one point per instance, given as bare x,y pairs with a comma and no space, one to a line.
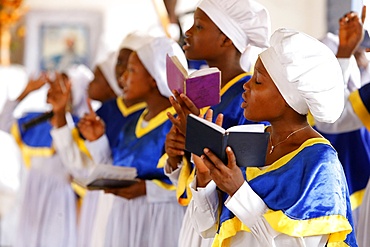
185,177
359,108
161,163
356,199
128,110
253,172
153,123
80,142
27,151
321,225
78,189
233,81
164,185
310,119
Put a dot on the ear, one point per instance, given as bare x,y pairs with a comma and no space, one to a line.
226,41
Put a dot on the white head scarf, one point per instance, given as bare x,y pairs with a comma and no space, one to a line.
80,77
107,67
245,22
307,74
135,40
153,57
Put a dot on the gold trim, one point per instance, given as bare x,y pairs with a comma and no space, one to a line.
128,110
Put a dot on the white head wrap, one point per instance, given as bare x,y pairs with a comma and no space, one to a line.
307,74
107,67
153,57
245,22
80,77
135,40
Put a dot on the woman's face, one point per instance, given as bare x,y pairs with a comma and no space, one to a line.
121,64
202,38
262,99
137,82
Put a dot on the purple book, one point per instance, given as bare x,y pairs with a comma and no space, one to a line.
201,86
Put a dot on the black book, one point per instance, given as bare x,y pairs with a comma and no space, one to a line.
249,142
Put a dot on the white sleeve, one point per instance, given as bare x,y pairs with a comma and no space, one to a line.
6,115
173,175
73,158
155,193
249,208
100,150
203,209
348,121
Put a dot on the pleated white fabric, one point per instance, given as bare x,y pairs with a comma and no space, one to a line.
48,208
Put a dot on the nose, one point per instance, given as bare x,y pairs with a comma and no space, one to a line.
188,32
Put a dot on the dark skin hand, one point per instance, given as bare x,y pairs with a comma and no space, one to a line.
91,126
351,33
183,106
59,95
32,85
174,146
228,178
131,192
202,170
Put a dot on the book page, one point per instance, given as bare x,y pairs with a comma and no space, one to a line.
204,71
111,172
257,128
208,123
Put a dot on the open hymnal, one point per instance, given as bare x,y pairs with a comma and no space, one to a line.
249,142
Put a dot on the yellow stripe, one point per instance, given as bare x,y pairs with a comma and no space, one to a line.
229,228
253,172
153,123
310,119
186,176
356,199
336,225
27,151
80,142
233,81
80,191
164,185
129,110
359,108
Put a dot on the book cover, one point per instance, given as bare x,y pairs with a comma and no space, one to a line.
108,177
248,145
202,86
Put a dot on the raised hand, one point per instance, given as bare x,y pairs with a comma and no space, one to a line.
174,146
91,126
351,33
32,85
183,106
59,94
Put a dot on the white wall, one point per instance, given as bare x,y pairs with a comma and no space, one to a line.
123,16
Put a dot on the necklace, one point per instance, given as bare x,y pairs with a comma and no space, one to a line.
274,146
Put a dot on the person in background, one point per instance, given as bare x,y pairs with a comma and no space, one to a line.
138,214
48,204
111,116
224,34
348,135
300,197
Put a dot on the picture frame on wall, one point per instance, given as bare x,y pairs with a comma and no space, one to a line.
57,39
